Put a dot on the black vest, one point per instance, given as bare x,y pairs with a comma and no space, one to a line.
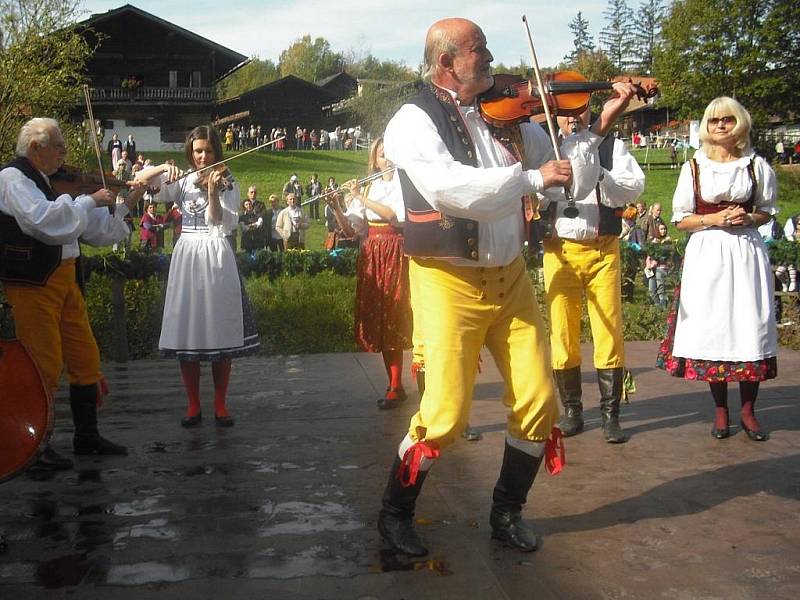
610,221
610,218
428,232
24,259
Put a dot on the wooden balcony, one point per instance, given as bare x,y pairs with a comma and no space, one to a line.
152,95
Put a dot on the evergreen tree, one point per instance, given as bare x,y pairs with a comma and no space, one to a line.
581,39
648,33
618,36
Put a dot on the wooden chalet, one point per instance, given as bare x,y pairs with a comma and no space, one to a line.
151,78
287,102
343,85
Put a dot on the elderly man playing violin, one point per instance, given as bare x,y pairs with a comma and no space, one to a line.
582,258
39,233
464,194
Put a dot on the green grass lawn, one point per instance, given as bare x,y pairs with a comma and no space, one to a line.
270,170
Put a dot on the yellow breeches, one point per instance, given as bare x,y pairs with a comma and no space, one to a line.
456,311
52,321
572,269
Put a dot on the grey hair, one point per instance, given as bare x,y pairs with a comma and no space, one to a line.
37,130
439,41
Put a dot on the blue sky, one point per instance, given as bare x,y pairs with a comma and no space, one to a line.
390,30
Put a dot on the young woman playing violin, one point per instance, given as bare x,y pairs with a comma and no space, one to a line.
206,313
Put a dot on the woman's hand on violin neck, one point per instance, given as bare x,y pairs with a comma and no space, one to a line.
556,173
104,197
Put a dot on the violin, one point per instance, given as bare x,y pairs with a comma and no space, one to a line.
514,99
75,181
227,177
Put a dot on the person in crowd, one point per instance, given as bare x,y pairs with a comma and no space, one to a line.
641,215
114,149
229,138
383,312
174,217
130,146
722,325
582,259
151,228
314,188
656,267
631,232
651,224
464,235
293,186
673,155
252,226
292,224
274,239
207,316
787,273
41,274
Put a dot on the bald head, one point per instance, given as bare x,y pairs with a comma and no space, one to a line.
456,57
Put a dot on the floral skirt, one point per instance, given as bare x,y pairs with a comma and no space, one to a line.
383,310
712,371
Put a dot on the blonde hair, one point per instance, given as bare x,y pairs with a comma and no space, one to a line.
724,106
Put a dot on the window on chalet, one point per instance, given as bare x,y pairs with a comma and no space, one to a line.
173,79
195,82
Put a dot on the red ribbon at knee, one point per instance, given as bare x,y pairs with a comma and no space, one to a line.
416,368
409,466
555,456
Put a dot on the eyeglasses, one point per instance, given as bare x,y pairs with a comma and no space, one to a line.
727,120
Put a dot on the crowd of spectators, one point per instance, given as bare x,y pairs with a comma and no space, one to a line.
241,137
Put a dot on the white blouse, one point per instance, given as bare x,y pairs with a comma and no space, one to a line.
725,181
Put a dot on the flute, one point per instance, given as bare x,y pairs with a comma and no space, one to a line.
362,181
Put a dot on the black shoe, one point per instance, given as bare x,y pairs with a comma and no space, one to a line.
387,403
471,434
610,383
757,436
720,434
96,444
399,533
226,421
50,460
572,421
507,527
194,421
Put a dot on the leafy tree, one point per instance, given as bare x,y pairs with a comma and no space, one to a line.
42,62
648,32
310,60
376,105
617,37
254,74
748,49
581,39
370,67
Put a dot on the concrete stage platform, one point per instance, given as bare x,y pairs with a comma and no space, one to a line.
284,504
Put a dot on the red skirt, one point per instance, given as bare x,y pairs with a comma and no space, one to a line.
383,311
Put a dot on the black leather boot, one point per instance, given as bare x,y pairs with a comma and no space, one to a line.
396,519
516,478
568,382
50,460
610,382
87,440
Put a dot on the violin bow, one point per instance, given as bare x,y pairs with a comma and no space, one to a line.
226,160
95,141
571,211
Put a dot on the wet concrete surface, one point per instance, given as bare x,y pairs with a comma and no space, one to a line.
283,505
